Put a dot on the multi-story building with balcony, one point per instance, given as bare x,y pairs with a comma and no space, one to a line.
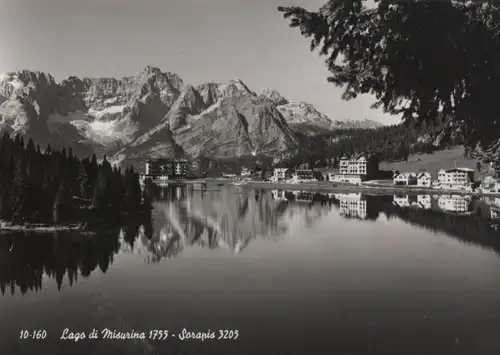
357,168
280,174
165,169
456,178
303,175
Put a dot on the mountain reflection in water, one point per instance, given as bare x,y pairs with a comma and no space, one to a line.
230,218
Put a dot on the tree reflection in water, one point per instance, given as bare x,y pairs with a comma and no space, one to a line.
25,257
229,218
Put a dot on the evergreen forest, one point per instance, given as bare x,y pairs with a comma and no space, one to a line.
53,187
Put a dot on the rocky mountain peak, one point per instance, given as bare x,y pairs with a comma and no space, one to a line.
274,96
14,82
156,73
235,87
151,69
153,114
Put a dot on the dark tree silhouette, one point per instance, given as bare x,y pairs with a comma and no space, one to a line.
445,70
62,204
57,187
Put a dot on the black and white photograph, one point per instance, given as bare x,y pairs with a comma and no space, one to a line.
249,177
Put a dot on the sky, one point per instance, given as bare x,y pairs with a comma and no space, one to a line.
200,40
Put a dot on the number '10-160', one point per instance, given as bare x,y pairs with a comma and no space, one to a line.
36,334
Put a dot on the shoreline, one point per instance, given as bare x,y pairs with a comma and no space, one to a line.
40,228
316,187
346,188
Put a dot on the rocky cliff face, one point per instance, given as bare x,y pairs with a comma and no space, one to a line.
304,118
92,115
152,114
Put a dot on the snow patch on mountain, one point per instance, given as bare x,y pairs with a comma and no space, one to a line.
102,132
106,112
153,113
55,120
106,132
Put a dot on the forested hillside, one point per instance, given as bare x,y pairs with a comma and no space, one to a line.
390,143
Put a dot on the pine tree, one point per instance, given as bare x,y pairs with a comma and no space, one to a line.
382,49
46,204
36,186
92,170
19,194
62,204
148,192
7,177
83,180
99,198
30,148
133,193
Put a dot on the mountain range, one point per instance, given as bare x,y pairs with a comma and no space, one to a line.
155,114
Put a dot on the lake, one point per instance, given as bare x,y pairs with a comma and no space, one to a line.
282,272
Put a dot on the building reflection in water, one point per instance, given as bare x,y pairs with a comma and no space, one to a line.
353,205
229,218
455,203
445,203
418,201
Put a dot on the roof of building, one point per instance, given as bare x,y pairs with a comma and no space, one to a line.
358,156
457,169
423,173
166,161
407,174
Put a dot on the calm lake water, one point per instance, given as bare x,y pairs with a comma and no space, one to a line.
293,273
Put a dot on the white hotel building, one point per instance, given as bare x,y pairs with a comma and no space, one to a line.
280,174
356,169
456,178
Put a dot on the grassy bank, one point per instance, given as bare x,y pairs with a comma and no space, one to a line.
442,159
